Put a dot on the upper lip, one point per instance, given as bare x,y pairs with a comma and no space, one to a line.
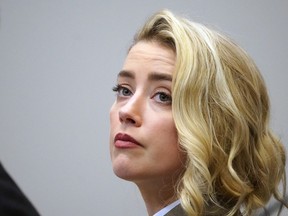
126,137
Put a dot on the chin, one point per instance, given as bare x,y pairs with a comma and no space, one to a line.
122,169
124,174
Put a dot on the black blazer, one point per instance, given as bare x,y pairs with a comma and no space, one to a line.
176,211
179,211
12,200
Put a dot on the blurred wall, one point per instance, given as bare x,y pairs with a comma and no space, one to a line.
58,63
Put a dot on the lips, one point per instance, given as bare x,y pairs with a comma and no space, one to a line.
125,141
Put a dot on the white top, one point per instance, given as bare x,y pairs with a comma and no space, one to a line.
166,209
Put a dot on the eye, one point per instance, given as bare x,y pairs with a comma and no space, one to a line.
122,91
163,97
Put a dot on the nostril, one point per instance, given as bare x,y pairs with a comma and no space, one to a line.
130,120
127,120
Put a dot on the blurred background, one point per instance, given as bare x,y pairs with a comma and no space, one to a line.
58,64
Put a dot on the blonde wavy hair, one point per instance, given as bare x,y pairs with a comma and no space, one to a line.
221,111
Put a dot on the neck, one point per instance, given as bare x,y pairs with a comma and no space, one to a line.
156,196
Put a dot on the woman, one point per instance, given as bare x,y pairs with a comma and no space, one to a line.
190,123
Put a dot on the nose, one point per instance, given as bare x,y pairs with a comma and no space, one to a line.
131,112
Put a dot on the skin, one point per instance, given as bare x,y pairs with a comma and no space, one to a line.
142,110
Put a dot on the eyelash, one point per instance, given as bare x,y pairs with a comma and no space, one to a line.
118,88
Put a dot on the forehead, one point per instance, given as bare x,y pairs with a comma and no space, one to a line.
147,51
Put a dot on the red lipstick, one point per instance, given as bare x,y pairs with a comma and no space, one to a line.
125,141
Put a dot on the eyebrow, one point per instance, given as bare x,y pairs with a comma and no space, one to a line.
126,74
154,76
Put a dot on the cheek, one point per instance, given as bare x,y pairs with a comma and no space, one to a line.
171,144
112,112
113,121
165,136
113,118
169,130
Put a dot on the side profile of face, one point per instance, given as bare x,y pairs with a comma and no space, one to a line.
143,138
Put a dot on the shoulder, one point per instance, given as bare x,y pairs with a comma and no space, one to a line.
12,199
